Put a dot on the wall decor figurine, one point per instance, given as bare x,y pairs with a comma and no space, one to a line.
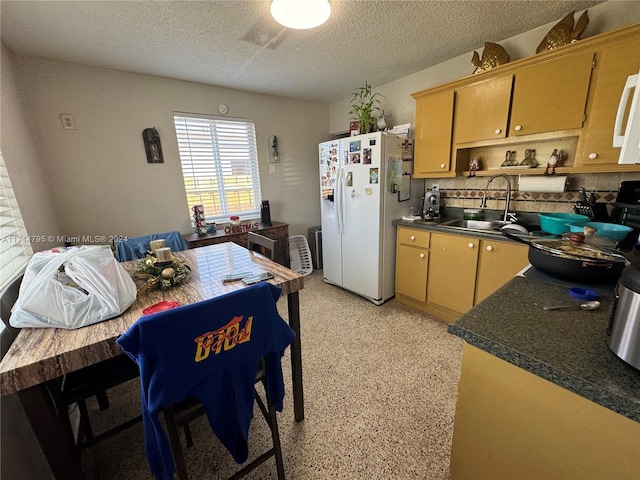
564,32
152,147
382,121
553,162
493,56
474,166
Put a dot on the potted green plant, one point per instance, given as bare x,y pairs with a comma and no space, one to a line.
364,106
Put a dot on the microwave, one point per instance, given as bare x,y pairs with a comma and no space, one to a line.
628,136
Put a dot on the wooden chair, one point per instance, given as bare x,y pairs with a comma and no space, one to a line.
180,415
76,387
240,341
261,244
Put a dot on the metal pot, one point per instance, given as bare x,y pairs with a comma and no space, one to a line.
624,321
579,263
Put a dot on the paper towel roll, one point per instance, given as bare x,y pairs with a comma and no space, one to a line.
539,183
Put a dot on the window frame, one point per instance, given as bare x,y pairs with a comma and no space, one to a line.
213,144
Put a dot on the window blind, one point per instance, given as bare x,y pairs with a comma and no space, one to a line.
15,246
219,161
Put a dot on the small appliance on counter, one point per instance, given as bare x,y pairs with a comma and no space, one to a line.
626,208
431,204
265,213
623,331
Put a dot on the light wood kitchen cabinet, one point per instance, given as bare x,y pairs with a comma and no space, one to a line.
551,95
482,110
412,260
565,98
446,274
498,262
452,271
434,124
614,63
548,96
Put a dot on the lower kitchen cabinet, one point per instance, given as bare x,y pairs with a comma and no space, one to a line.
446,274
452,271
498,262
511,423
412,258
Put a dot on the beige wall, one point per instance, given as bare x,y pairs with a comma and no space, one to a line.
23,159
95,180
98,174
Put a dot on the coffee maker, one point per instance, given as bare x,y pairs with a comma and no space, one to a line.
431,204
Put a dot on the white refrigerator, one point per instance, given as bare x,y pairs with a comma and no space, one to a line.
365,183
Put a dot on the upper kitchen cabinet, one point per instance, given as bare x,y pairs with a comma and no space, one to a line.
482,110
551,95
434,121
615,61
565,98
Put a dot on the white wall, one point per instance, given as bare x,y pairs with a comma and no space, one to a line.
398,101
98,174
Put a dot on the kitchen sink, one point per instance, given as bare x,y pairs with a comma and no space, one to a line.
483,226
474,224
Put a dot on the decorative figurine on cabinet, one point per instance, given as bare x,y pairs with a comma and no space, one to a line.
529,158
474,166
493,56
564,32
553,162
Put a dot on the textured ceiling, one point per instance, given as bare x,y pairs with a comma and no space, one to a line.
237,44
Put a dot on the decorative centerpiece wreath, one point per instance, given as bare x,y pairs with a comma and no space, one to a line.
151,274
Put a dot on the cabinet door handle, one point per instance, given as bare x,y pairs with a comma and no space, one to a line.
442,165
413,237
422,255
593,156
471,245
489,248
518,128
497,131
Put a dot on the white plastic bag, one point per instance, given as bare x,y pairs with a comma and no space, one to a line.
72,288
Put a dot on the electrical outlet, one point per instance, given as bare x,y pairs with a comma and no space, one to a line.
435,187
272,168
68,123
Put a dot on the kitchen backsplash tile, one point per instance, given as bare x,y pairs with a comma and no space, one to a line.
463,192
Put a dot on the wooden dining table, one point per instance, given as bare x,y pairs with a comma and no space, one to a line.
39,355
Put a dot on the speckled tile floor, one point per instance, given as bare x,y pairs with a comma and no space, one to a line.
380,385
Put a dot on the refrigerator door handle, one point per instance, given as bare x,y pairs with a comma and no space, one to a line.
339,200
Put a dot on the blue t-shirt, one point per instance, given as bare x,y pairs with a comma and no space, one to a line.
209,350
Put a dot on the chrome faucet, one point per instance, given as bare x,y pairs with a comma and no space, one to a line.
506,216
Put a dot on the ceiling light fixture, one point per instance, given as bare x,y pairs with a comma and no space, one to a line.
300,14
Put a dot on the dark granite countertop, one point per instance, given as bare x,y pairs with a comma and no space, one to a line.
566,347
438,227
450,213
